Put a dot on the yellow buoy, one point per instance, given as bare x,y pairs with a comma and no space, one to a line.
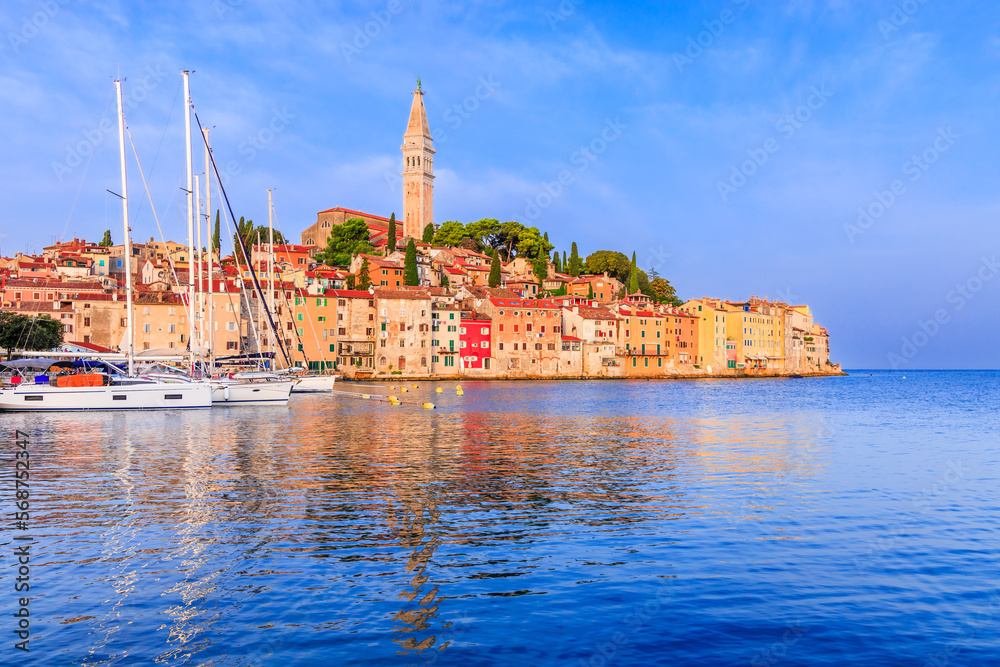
404,390
439,390
460,393
458,387
365,396
414,386
428,406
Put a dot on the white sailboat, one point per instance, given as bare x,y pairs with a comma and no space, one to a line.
31,388
241,388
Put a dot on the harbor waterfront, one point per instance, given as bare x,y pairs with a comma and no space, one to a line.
824,521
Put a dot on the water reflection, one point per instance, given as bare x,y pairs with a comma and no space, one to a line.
370,531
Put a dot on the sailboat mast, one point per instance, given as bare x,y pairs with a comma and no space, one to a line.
199,288
190,217
270,271
127,264
211,254
199,253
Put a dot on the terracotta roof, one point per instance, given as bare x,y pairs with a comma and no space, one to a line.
348,293
517,302
591,313
348,210
417,293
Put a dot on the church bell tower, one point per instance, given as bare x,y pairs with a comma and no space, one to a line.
418,170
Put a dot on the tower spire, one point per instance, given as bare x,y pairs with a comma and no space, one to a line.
418,169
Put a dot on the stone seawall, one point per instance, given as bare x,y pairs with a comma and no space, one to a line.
668,374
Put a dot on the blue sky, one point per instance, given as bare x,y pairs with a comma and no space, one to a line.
730,143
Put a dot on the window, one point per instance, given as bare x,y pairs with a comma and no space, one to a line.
231,345
462,345
172,328
501,346
538,346
86,321
528,327
501,327
484,331
146,328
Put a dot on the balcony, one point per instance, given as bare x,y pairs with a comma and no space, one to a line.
638,352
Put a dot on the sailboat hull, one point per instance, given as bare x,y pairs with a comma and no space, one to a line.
251,393
314,383
152,396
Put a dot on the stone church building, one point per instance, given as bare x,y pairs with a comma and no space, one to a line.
418,189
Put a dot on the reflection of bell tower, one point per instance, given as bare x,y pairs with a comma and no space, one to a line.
418,170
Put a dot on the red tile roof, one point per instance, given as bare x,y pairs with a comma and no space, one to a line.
348,293
351,211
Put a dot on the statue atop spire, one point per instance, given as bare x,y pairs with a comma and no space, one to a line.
418,83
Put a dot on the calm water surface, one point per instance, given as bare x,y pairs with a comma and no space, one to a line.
840,521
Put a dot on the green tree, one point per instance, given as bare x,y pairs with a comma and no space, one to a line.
664,292
106,240
22,332
243,228
390,239
428,233
217,236
485,232
615,263
541,266
346,241
565,264
575,265
449,234
590,290
532,244
260,235
444,280
633,276
495,269
351,281
556,266
410,274
364,275
619,267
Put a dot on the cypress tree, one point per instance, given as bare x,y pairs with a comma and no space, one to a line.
557,267
410,274
633,277
564,264
106,240
391,238
541,266
364,275
428,233
590,290
575,263
217,236
495,269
